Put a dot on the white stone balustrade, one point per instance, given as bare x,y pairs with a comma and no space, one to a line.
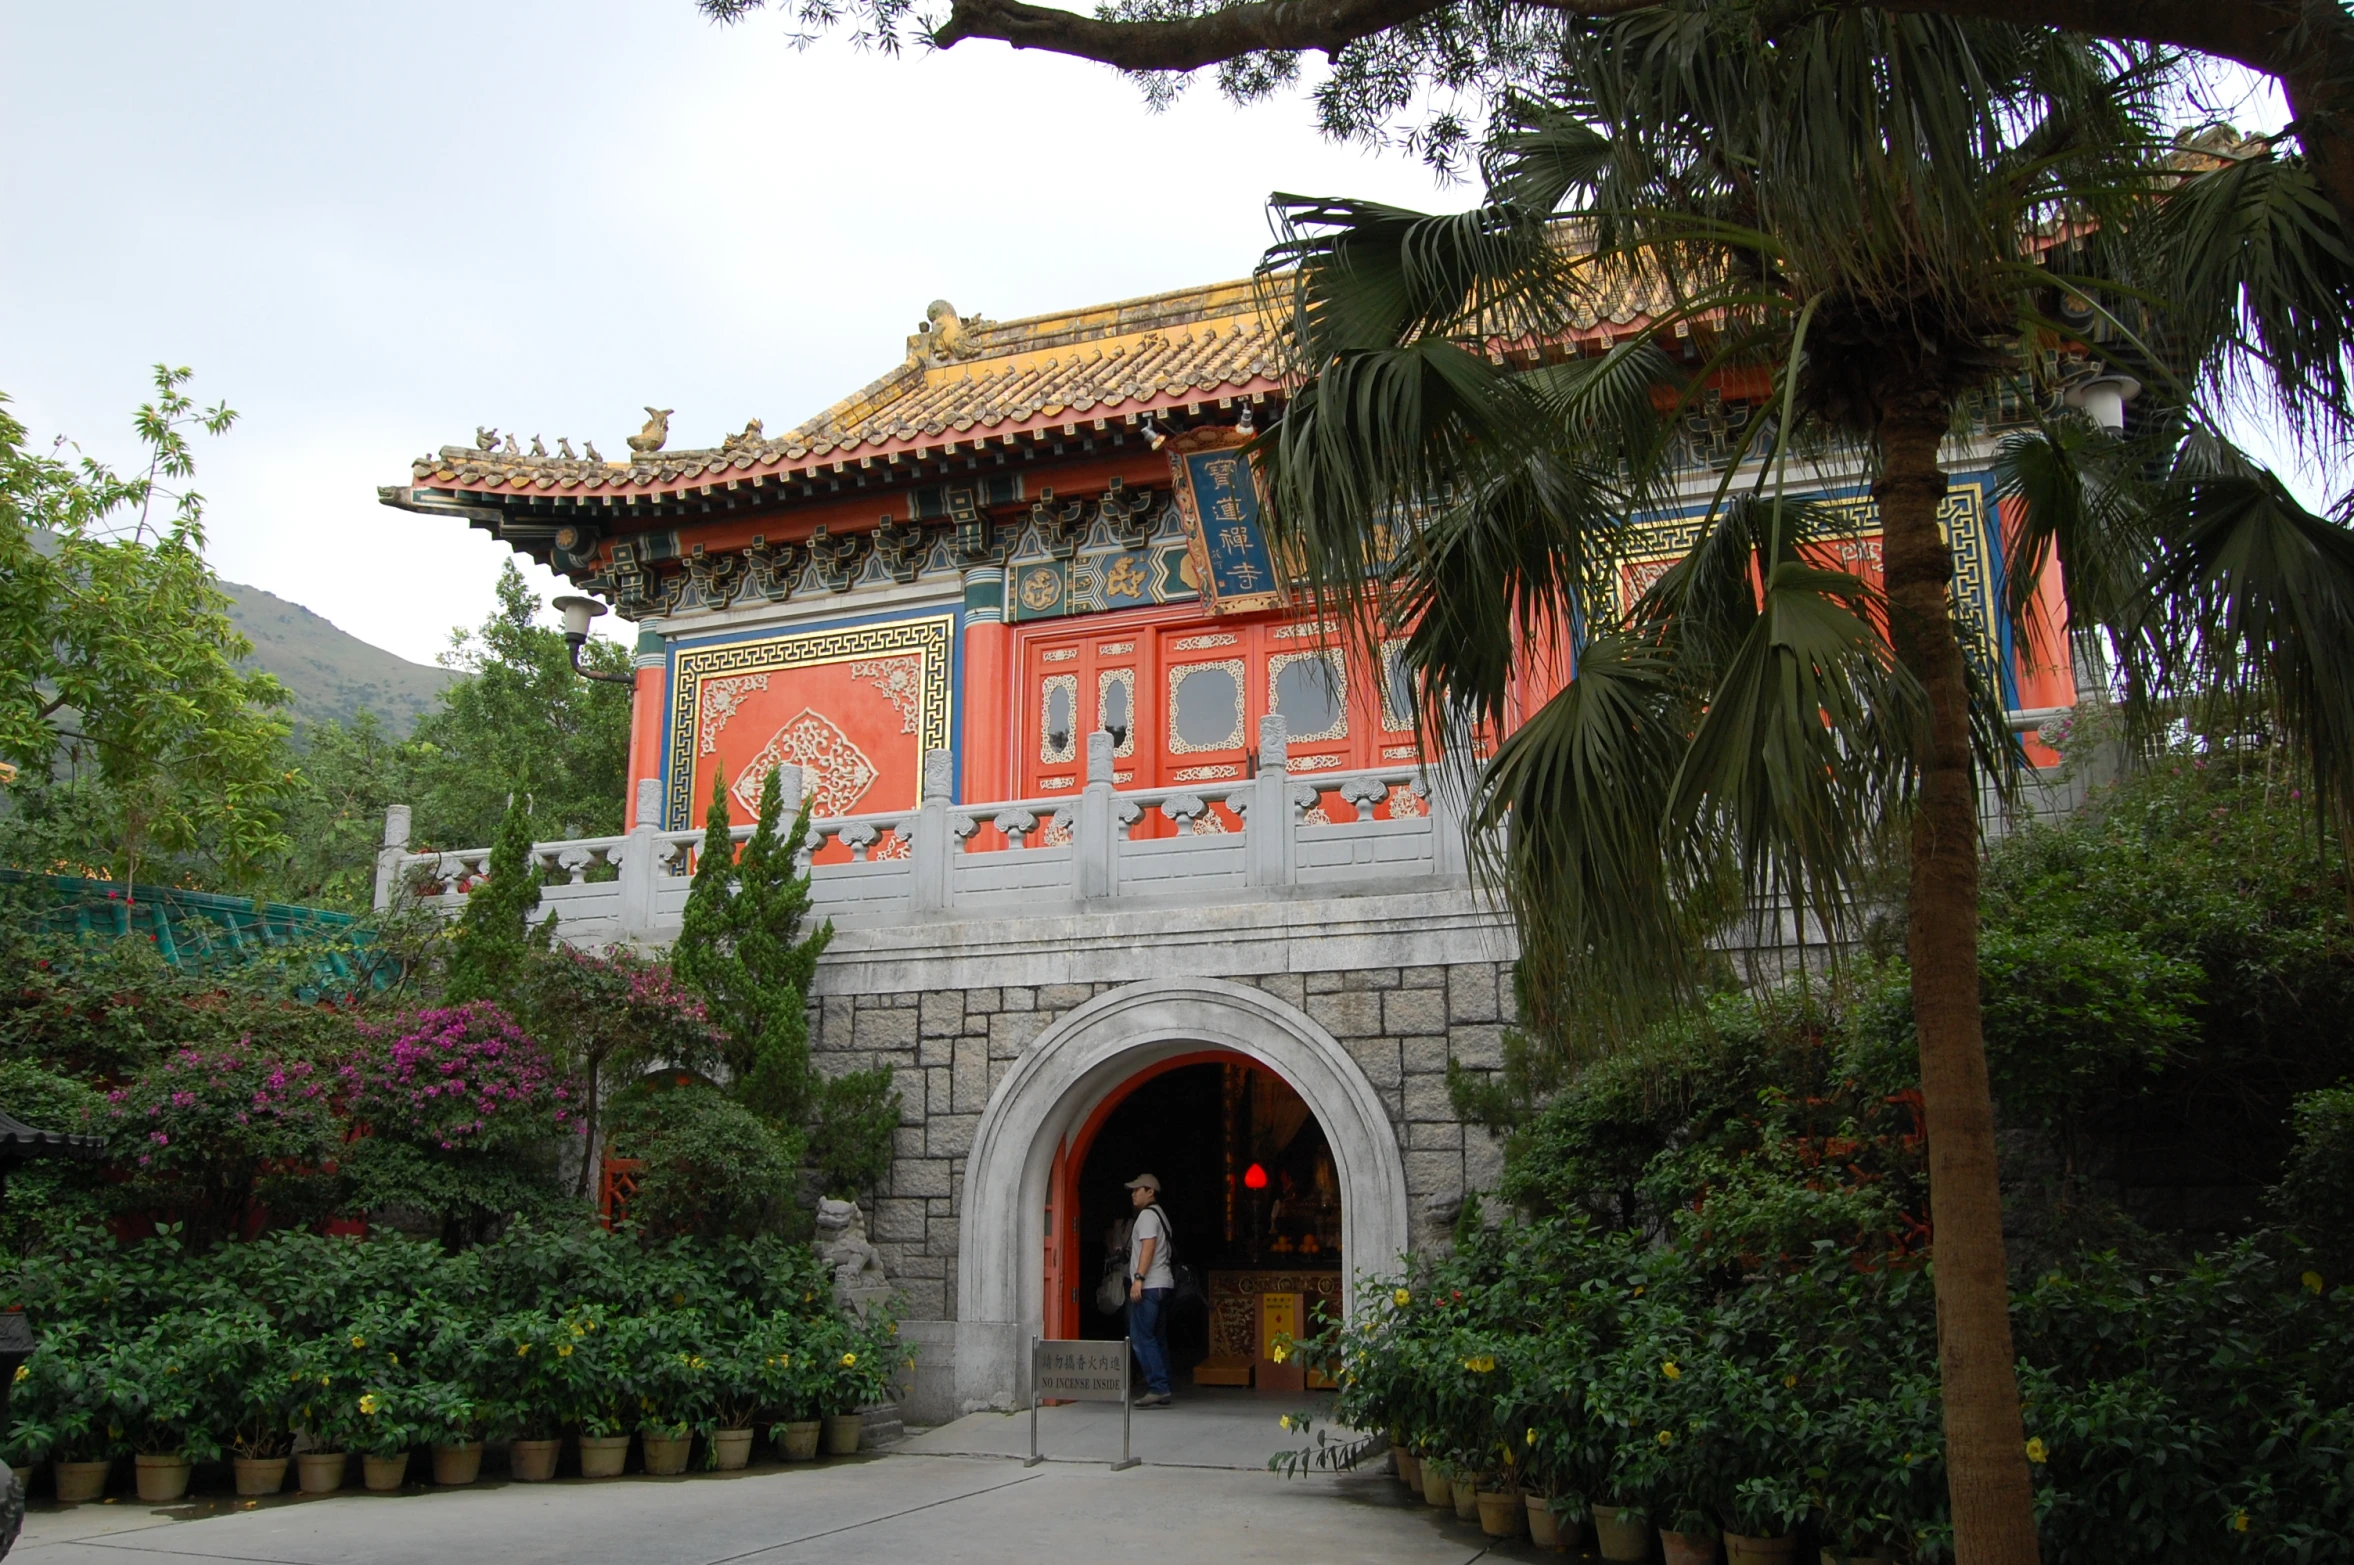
1272,836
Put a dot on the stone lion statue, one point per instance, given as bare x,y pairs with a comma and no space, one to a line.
859,1280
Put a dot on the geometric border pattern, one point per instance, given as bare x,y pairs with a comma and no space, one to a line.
1962,515
931,635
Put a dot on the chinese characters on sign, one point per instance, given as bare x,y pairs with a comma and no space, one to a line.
1218,496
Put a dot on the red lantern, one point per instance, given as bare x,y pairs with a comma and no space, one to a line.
1254,1178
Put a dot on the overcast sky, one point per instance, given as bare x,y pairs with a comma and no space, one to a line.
372,227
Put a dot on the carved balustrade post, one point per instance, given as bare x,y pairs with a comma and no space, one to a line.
930,859
1270,829
1448,790
388,857
1091,828
638,866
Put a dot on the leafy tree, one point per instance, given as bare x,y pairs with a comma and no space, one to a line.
351,772
1865,206
494,939
1452,61
521,720
133,728
740,947
713,1166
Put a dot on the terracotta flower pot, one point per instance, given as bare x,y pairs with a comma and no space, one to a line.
843,1432
258,1475
162,1479
457,1465
1622,1533
81,1482
731,1449
533,1461
666,1455
1688,1548
1502,1513
801,1437
320,1472
1437,1489
1741,1549
383,1474
602,1456
1547,1528
1409,1468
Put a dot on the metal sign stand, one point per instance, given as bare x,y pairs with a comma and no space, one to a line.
1090,1389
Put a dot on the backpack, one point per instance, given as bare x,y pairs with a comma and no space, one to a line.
1185,1283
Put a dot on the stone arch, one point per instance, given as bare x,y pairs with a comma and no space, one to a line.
1069,1069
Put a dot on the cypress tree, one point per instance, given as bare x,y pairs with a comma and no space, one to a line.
493,938
740,945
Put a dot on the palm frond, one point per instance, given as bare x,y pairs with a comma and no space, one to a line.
1812,735
1572,831
2252,608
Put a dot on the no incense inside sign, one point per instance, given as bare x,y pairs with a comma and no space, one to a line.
1083,1371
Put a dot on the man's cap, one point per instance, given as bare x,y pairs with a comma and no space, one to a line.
1145,1182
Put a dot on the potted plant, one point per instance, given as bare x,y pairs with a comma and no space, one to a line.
313,1399
376,1423
527,1386
674,1384
858,1376
750,1375
60,1411
449,1417
798,1379
597,1389
244,1372
155,1399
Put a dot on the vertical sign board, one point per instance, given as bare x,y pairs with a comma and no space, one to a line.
1080,1371
1218,501
1279,1316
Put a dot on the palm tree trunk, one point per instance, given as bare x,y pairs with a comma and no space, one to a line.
1985,1449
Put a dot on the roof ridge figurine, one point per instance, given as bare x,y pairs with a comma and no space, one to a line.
655,435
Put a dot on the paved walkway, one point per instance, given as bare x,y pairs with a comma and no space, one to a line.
952,1495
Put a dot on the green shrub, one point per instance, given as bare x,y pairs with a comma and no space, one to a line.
851,1145
2315,1195
713,1166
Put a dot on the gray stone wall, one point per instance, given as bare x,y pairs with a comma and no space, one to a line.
949,1047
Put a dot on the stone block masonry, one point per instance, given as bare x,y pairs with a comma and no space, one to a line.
1400,1006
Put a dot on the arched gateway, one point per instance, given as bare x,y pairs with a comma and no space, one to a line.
1085,1057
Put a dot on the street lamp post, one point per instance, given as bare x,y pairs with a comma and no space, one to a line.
577,613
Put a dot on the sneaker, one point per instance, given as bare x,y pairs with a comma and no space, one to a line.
1155,1399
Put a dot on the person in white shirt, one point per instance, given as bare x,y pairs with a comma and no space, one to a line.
1150,1282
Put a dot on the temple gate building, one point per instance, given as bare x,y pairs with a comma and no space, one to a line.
1132,865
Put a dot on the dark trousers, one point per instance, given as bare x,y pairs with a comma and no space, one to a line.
1148,1333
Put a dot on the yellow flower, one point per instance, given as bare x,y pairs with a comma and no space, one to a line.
2312,1282
395,1357
677,1300
522,1349
1480,1364
1532,1435
2035,1451
785,1362
369,1404
1667,1437
1638,1293
1401,1298
695,1363
1278,1353
359,1342
1670,1370
324,1379
2239,1521
1789,1380
849,1360
579,1330
1285,1421
564,1350
24,1372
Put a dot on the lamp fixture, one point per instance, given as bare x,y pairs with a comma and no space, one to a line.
1254,1178
577,613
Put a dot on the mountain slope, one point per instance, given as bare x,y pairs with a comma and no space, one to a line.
331,672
